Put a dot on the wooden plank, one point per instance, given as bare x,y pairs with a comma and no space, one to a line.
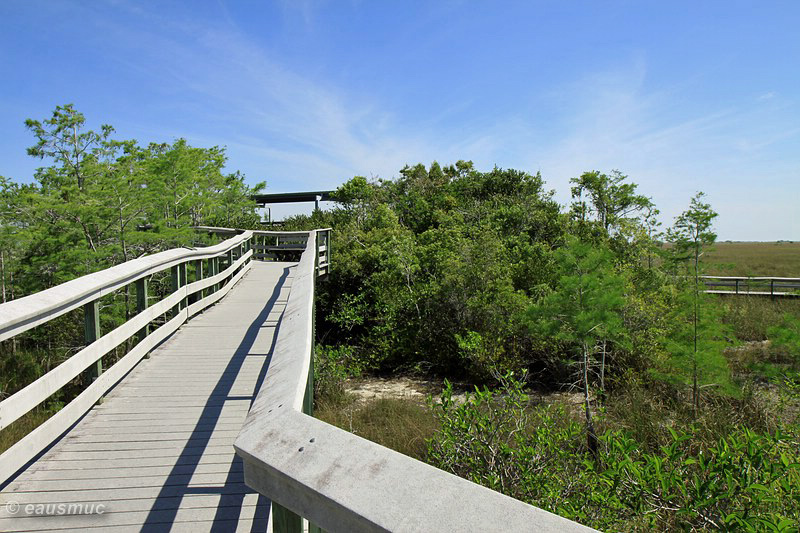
115,454
131,471
136,462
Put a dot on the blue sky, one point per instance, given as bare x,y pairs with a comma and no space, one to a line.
681,96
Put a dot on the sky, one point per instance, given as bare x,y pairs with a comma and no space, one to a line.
681,96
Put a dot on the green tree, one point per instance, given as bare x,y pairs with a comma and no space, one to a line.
611,200
699,335
583,310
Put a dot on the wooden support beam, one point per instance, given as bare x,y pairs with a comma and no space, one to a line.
91,328
142,304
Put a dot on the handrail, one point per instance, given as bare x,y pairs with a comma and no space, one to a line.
339,481
25,313
750,285
22,314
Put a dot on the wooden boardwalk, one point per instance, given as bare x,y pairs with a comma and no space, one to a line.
157,454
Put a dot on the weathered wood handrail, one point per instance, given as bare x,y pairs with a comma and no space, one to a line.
339,481
284,241
750,285
25,313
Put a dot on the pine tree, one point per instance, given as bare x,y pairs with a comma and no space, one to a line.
584,311
697,343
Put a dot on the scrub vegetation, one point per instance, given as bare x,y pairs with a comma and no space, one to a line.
687,418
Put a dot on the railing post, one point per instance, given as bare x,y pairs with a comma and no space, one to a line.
316,260
178,281
737,286
285,521
91,328
214,272
141,305
198,275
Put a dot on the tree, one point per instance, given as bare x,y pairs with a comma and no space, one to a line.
700,343
583,310
612,200
97,202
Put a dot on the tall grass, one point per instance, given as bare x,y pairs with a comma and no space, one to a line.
400,424
780,259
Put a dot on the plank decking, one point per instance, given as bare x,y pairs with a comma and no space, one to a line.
157,454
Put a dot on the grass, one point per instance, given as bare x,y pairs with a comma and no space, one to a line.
780,259
751,316
18,429
400,424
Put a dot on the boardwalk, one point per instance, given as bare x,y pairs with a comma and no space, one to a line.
157,454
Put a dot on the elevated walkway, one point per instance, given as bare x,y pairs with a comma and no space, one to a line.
158,453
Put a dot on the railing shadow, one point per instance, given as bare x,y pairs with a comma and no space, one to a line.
164,510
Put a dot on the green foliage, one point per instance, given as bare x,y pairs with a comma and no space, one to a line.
584,311
786,335
441,252
98,202
698,337
695,345
611,201
743,480
332,366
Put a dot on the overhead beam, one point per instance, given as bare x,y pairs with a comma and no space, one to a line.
293,197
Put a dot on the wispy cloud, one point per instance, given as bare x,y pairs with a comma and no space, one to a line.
296,125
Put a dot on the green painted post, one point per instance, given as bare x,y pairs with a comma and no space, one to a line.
91,328
141,304
198,275
285,521
178,281
215,271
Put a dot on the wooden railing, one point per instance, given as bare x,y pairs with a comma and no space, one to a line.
280,245
753,286
339,481
214,270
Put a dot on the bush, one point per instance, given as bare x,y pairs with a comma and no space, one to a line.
743,480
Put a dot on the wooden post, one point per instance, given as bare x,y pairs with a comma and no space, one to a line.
214,272
285,521
141,305
178,281
308,400
91,328
198,275
316,258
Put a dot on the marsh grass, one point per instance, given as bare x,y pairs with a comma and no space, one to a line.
751,316
754,259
